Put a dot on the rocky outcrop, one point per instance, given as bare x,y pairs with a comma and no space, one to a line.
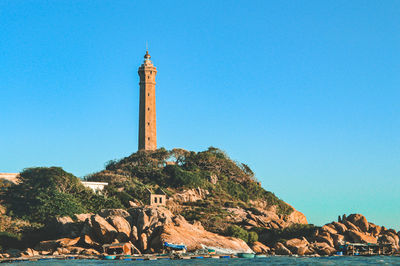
104,231
147,228
260,248
195,237
326,240
280,249
190,195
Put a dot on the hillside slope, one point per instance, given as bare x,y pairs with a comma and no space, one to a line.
205,186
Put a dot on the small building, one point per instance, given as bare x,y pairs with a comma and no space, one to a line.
97,187
120,249
158,198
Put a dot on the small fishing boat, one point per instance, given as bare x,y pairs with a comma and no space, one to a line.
109,257
174,246
261,256
246,255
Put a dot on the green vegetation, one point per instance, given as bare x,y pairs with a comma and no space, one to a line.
238,232
44,193
293,231
231,184
178,169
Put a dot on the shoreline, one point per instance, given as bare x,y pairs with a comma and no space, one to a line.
173,256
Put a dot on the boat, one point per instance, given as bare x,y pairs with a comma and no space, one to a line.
246,255
174,246
109,257
261,256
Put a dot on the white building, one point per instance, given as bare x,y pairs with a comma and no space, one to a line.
97,187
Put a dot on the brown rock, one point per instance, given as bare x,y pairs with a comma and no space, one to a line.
323,249
123,227
350,226
260,248
295,244
358,237
80,218
142,222
280,249
75,250
390,238
87,242
105,213
30,252
329,228
360,221
143,242
104,231
324,237
89,251
375,230
67,242
63,251
48,245
194,237
340,227
134,234
304,251
337,240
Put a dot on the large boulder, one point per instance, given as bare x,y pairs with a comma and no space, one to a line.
360,221
338,240
323,249
104,231
260,248
389,237
324,237
122,226
87,242
296,245
105,213
280,249
350,226
340,227
179,231
52,245
330,228
374,230
143,242
358,237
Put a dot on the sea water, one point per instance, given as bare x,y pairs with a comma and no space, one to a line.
281,260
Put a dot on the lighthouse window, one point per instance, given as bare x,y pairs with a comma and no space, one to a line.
148,109
148,94
148,124
148,77
148,138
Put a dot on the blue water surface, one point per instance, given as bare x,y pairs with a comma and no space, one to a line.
376,260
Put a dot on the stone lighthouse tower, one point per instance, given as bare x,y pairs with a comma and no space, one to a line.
147,109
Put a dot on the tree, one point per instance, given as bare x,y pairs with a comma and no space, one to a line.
44,193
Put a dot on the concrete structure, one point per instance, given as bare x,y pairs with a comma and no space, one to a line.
97,187
158,198
9,177
147,109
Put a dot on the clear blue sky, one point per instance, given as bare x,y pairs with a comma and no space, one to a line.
305,92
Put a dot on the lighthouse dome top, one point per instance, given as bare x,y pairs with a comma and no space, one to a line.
147,56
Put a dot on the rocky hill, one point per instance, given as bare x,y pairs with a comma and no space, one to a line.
201,186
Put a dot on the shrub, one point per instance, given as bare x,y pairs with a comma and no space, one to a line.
253,237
